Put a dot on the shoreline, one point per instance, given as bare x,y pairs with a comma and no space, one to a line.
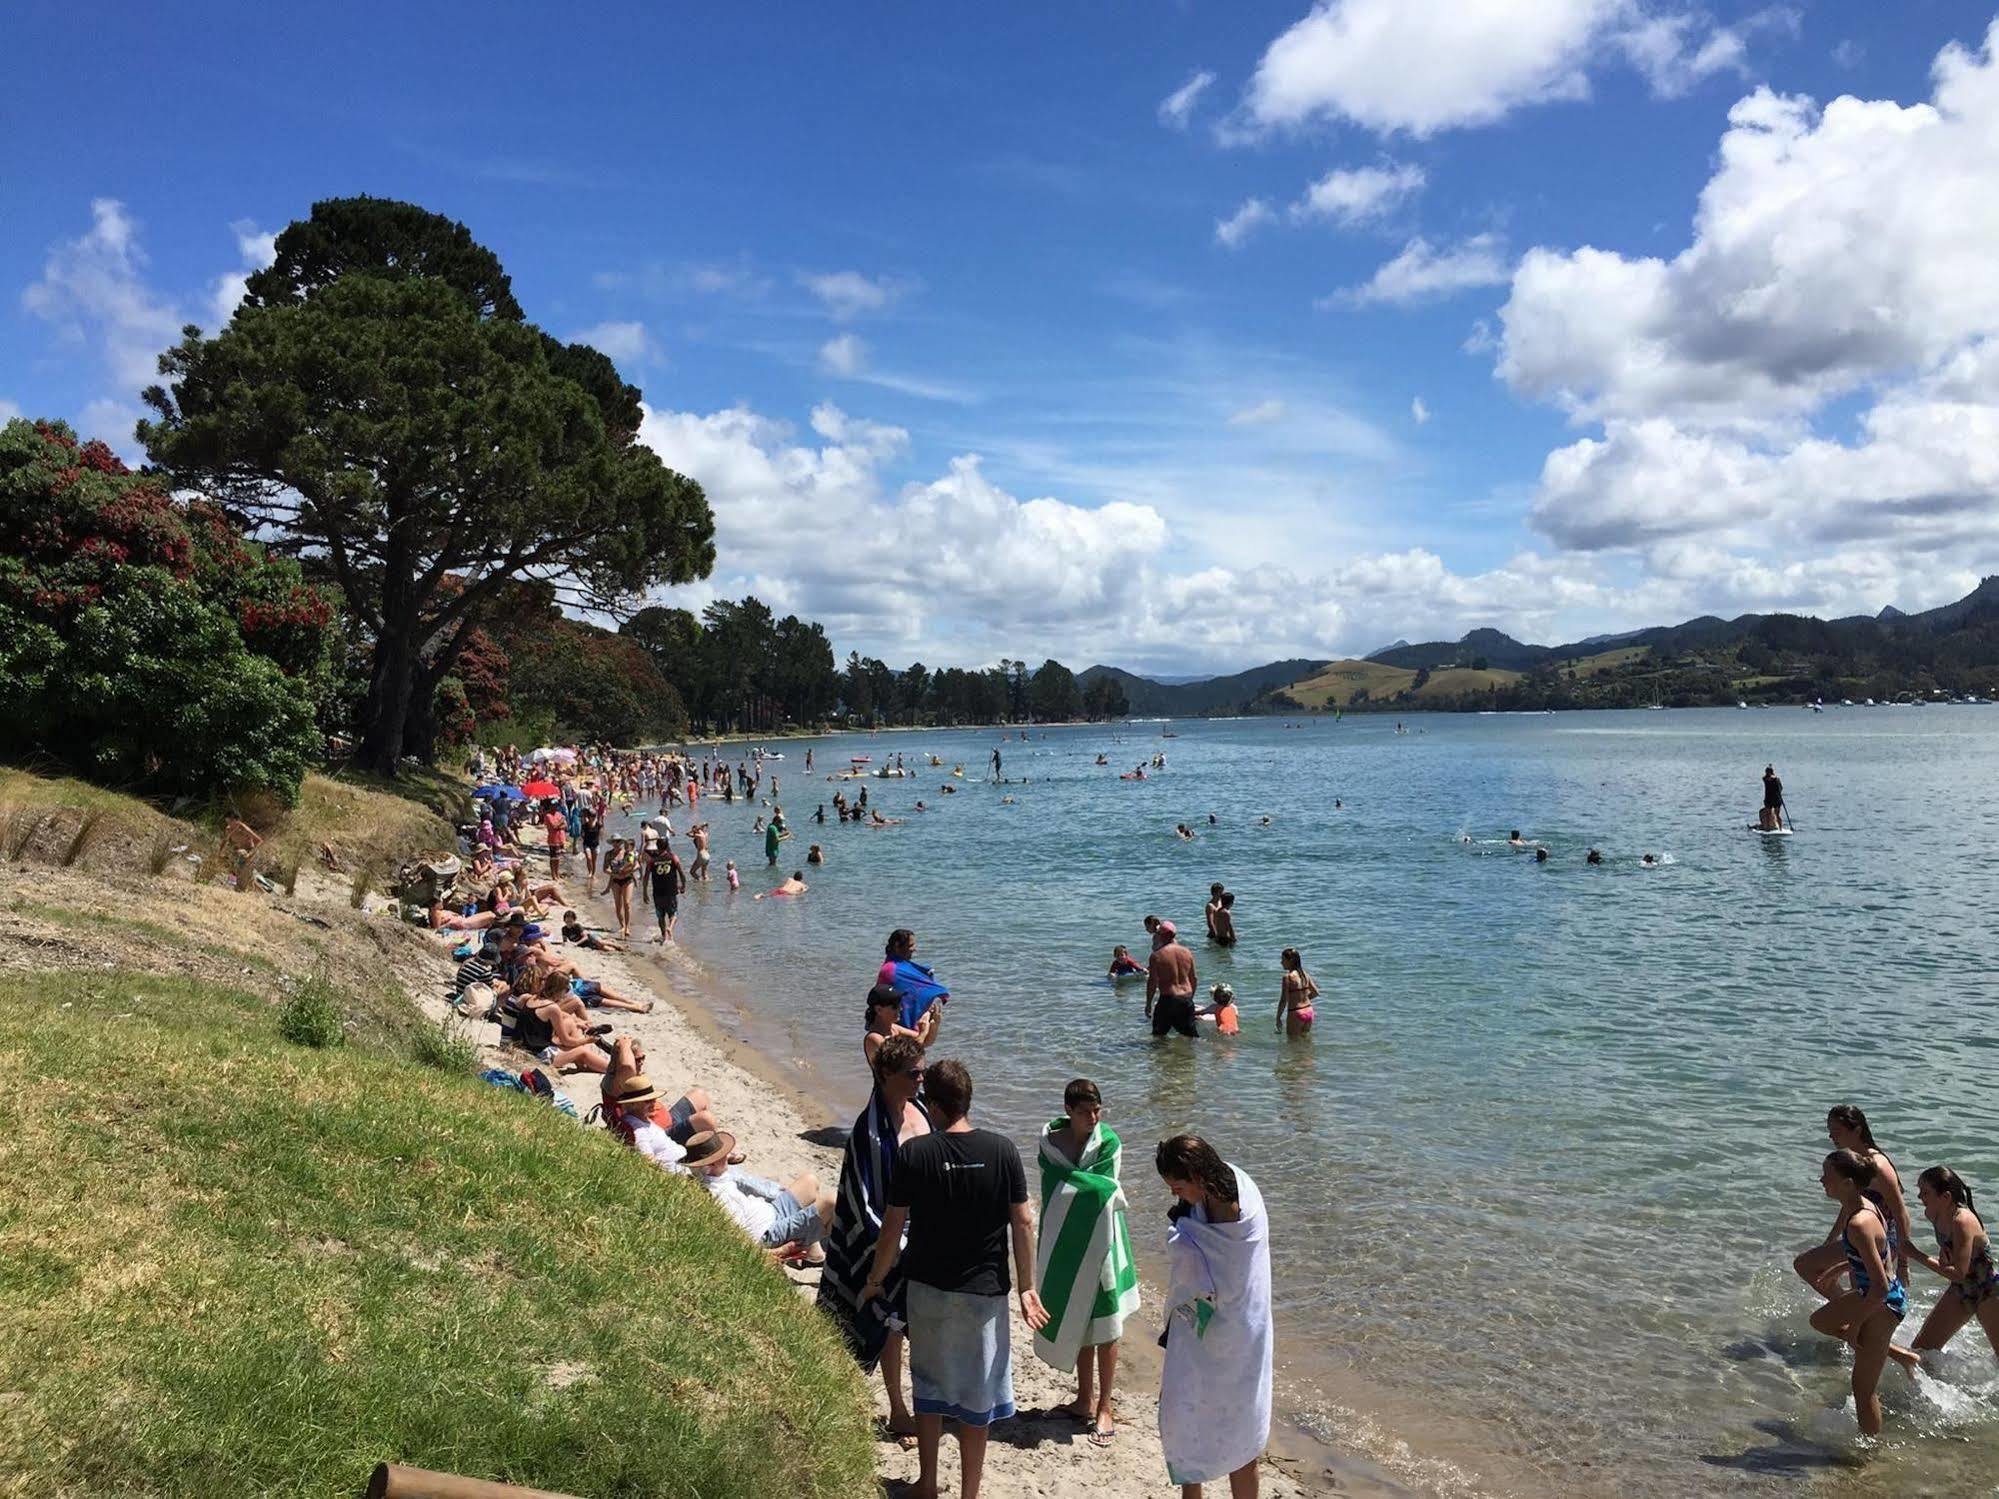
787,1126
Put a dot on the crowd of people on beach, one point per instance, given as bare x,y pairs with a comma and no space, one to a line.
928,1233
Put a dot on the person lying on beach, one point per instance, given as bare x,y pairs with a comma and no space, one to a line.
786,1222
574,935
1123,964
794,886
599,995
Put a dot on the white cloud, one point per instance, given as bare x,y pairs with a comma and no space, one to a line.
93,287
845,355
1423,66
257,250
1419,413
1424,271
1178,107
1262,414
1358,195
115,423
1830,249
848,294
627,343
8,411
1238,226
1849,54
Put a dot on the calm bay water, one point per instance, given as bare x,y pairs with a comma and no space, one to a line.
1537,1178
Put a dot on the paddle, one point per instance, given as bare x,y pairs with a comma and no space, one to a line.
1785,813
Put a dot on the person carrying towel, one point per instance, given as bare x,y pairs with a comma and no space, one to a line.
1088,1279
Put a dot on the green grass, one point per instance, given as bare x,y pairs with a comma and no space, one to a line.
1336,683
233,1266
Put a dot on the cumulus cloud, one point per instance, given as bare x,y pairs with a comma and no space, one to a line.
1422,66
1424,272
94,287
8,411
845,355
1245,221
256,250
848,294
1260,415
1836,254
1177,108
1419,411
627,343
1358,195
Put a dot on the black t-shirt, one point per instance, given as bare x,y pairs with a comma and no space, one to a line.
960,1191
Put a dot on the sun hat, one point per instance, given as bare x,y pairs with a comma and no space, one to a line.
504,877
638,1089
532,932
708,1147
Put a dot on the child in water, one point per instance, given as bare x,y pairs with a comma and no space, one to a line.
1124,965
735,880
1222,1012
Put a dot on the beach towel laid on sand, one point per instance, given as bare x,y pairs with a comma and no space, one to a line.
1083,1263
1214,1394
915,986
865,1171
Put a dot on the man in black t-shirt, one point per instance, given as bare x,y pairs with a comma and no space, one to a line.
963,1194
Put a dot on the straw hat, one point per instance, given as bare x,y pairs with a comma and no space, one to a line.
708,1147
638,1089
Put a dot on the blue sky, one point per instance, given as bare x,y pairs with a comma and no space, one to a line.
1180,336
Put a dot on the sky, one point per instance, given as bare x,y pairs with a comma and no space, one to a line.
1177,336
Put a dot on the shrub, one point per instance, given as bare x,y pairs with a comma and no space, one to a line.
86,830
310,1014
161,854
448,1046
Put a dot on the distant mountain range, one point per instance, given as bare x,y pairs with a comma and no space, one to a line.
1951,650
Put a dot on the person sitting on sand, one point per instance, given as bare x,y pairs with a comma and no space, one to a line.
686,1117
628,1111
786,1222
547,1032
1123,964
574,935
793,886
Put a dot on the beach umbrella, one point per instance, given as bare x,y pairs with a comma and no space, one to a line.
540,789
502,793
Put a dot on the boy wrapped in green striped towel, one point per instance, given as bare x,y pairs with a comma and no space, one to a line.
1083,1264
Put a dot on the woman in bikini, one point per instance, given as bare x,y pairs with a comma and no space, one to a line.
1295,997
1821,1268
1964,1259
621,867
883,1008
1866,1316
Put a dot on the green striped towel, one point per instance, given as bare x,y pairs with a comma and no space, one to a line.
1083,1265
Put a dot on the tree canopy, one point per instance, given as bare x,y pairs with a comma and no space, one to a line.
378,408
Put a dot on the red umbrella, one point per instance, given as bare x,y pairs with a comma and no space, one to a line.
540,789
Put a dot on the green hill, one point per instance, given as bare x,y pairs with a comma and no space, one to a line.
230,1265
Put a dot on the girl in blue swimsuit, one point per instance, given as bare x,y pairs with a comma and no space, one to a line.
1822,1267
1964,1258
1867,1315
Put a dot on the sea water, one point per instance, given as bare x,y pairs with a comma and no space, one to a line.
1538,1175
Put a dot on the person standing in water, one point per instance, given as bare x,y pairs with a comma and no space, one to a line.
1773,801
1295,996
996,764
1169,983
1964,1258
1820,1268
1866,1316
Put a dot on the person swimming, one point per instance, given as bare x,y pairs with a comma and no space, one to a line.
1184,833
1540,856
1594,857
1124,965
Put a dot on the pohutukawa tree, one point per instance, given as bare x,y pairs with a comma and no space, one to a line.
380,407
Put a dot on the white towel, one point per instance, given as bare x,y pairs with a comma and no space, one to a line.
1214,1395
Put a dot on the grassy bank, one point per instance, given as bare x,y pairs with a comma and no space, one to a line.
233,1265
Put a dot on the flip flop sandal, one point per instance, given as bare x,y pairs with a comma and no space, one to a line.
1098,1438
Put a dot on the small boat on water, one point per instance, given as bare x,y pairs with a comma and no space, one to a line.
859,759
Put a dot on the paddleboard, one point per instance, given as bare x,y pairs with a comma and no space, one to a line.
1770,832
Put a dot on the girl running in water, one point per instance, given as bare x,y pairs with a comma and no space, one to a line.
1822,1267
1964,1258
1867,1315
1295,997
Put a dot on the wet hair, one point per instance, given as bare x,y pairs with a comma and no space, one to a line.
897,1054
1120,951
947,1088
900,937
798,874
1216,889
1852,1166
1228,900
1192,1159
1946,1181
1081,1091
1848,1116
1515,834
1289,958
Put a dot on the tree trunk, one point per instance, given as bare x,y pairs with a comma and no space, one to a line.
386,709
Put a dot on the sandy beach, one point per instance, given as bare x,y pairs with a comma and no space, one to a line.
1041,1454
